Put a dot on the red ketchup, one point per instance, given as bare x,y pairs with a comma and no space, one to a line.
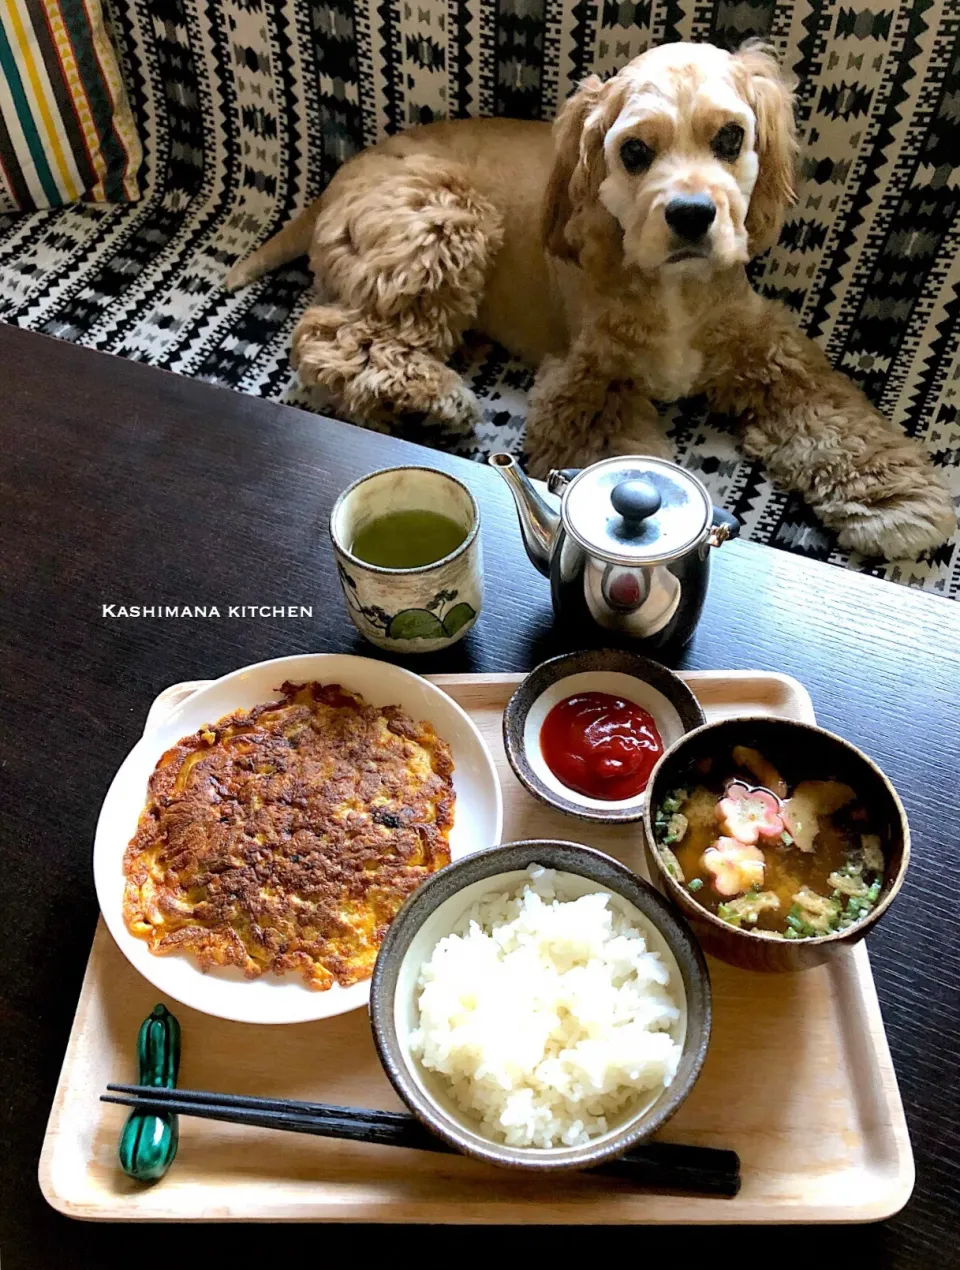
600,745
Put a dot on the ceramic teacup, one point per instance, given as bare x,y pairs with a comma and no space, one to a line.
422,609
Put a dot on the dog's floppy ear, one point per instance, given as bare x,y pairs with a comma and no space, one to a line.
770,97
570,207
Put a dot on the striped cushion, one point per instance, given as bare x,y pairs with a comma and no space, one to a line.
66,129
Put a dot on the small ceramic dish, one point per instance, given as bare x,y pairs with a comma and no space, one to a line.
800,747
649,685
434,910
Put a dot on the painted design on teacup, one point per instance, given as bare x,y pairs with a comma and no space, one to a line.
434,621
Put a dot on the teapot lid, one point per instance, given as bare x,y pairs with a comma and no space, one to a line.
636,510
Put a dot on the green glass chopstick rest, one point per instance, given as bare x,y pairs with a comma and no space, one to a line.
148,1143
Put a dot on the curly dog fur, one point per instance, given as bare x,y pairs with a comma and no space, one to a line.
561,247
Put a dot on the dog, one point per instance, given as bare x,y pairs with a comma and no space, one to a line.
610,251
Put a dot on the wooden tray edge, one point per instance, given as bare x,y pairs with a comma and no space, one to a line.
48,1190
901,1173
898,1178
793,691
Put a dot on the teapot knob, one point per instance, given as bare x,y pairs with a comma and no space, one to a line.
636,499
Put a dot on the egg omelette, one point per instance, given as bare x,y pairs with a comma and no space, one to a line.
285,838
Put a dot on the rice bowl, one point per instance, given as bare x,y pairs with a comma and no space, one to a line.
511,1080
546,1018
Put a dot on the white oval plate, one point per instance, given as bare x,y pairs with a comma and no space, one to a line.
478,823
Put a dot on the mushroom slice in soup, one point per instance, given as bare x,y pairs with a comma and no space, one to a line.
848,883
813,914
671,863
746,909
872,852
761,769
810,800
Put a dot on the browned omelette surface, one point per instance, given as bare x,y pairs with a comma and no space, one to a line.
287,837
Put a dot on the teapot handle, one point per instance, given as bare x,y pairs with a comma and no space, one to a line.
724,525
560,478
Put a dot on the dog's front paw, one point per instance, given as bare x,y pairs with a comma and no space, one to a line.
324,350
903,527
458,410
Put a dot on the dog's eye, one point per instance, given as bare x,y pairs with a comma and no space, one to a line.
727,142
635,155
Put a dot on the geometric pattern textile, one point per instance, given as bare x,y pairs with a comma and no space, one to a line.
246,108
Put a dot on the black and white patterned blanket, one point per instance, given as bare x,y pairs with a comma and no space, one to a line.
247,107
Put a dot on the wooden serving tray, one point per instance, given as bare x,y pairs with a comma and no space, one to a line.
798,1080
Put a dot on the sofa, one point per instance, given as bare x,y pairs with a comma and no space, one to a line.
245,108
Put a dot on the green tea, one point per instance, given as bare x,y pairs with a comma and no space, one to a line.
407,540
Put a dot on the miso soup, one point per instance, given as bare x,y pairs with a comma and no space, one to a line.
791,853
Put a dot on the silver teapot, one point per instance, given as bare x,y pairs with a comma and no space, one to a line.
630,548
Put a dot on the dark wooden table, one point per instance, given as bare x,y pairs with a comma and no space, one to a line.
123,485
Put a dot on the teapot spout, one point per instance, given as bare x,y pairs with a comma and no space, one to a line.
539,524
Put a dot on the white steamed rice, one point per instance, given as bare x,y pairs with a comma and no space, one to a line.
547,1018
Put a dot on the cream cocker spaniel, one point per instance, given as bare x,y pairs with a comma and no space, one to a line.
611,253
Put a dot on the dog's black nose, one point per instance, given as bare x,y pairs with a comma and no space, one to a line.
690,215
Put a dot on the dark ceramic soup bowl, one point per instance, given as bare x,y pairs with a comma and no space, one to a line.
802,752
434,910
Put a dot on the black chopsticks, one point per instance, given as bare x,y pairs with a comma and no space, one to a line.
655,1166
